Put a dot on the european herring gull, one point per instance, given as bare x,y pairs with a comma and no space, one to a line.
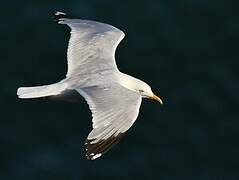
113,97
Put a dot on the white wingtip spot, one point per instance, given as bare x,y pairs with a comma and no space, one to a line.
96,156
59,13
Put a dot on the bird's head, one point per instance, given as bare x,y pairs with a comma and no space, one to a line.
138,86
146,92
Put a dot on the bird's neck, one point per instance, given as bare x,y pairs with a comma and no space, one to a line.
129,82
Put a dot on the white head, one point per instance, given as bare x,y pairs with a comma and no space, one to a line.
145,91
140,87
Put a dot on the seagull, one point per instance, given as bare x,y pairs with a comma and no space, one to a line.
113,97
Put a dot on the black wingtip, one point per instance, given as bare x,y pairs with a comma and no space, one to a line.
59,15
95,150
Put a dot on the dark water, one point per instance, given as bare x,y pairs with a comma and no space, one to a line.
187,50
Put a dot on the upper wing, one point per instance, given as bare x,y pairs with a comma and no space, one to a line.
92,45
114,110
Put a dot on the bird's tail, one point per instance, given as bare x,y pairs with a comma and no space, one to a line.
41,91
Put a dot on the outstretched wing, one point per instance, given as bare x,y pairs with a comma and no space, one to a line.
114,110
92,45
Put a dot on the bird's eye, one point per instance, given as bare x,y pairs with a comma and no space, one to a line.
141,91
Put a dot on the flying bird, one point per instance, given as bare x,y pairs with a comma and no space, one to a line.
113,97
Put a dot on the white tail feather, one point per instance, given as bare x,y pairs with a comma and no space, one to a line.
40,91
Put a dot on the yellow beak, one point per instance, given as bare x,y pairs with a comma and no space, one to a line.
156,98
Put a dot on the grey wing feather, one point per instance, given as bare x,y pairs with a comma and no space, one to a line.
91,47
114,110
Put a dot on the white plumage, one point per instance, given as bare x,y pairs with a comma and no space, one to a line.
114,98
